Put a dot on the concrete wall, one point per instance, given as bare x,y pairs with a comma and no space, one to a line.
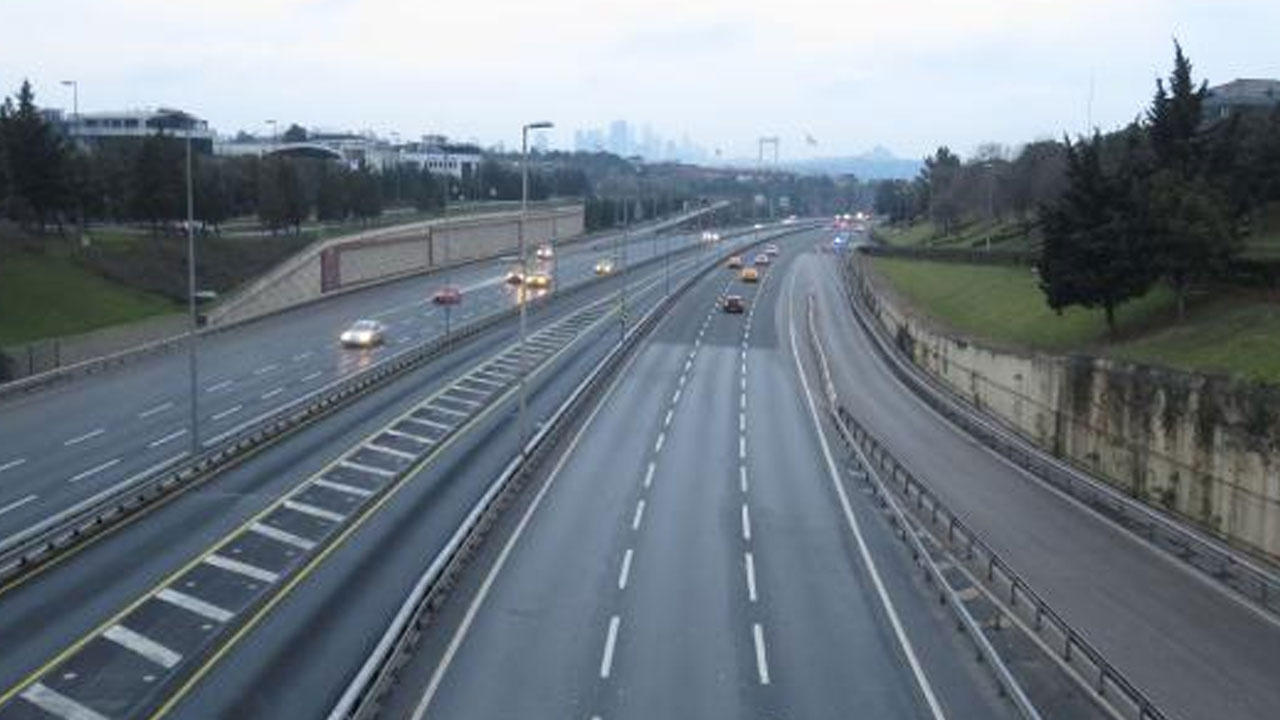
1202,447
44,355
378,255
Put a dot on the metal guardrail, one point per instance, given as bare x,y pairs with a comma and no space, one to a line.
40,542
1234,570
1109,685
362,697
1005,681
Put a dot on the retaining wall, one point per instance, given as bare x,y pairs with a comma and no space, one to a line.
1201,447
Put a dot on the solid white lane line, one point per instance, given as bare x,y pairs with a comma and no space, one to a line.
12,464
228,412
241,568
279,535
751,576
81,438
157,409
667,420
94,470
762,662
272,393
342,487
195,605
167,438
657,446
219,386
626,570
742,478
648,474
746,523
311,376
610,641
17,504
55,703
635,521
142,645
367,468
313,511
266,369
834,474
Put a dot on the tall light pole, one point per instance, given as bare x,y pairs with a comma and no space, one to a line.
75,131
192,328
523,420
273,125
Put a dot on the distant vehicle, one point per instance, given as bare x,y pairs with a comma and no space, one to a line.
710,236
538,280
788,220
735,262
839,242
771,249
733,304
604,266
363,333
544,252
447,295
750,275
763,259
758,226
515,276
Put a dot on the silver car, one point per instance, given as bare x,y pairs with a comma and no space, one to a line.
363,333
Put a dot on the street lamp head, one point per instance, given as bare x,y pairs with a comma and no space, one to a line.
68,82
542,125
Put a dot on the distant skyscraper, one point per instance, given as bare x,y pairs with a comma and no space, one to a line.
619,138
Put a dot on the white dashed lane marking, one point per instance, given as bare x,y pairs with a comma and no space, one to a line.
611,639
648,475
157,409
94,470
17,504
266,369
310,377
635,521
228,412
762,661
218,386
87,436
751,576
167,438
625,572
12,464
272,393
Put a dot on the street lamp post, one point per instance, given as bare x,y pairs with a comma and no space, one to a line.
192,328
75,131
273,125
523,420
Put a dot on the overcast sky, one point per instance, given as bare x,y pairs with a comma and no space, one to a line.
905,74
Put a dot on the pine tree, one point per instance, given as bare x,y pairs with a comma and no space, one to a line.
1090,256
35,159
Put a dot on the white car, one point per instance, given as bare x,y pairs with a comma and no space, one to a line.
363,333
544,252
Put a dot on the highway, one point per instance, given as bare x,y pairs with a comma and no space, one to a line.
1196,649
258,593
68,441
689,557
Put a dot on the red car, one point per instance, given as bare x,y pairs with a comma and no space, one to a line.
447,295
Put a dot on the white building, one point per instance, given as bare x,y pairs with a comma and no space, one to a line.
93,129
439,156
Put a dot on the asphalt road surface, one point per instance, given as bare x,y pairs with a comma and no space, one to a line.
70,441
690,558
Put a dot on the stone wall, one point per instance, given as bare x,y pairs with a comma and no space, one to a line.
1201,447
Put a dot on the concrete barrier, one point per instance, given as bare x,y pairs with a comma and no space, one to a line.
388,253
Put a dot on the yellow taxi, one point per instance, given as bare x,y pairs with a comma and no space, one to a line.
750,275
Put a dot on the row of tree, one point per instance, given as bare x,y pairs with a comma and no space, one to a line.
1169,198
